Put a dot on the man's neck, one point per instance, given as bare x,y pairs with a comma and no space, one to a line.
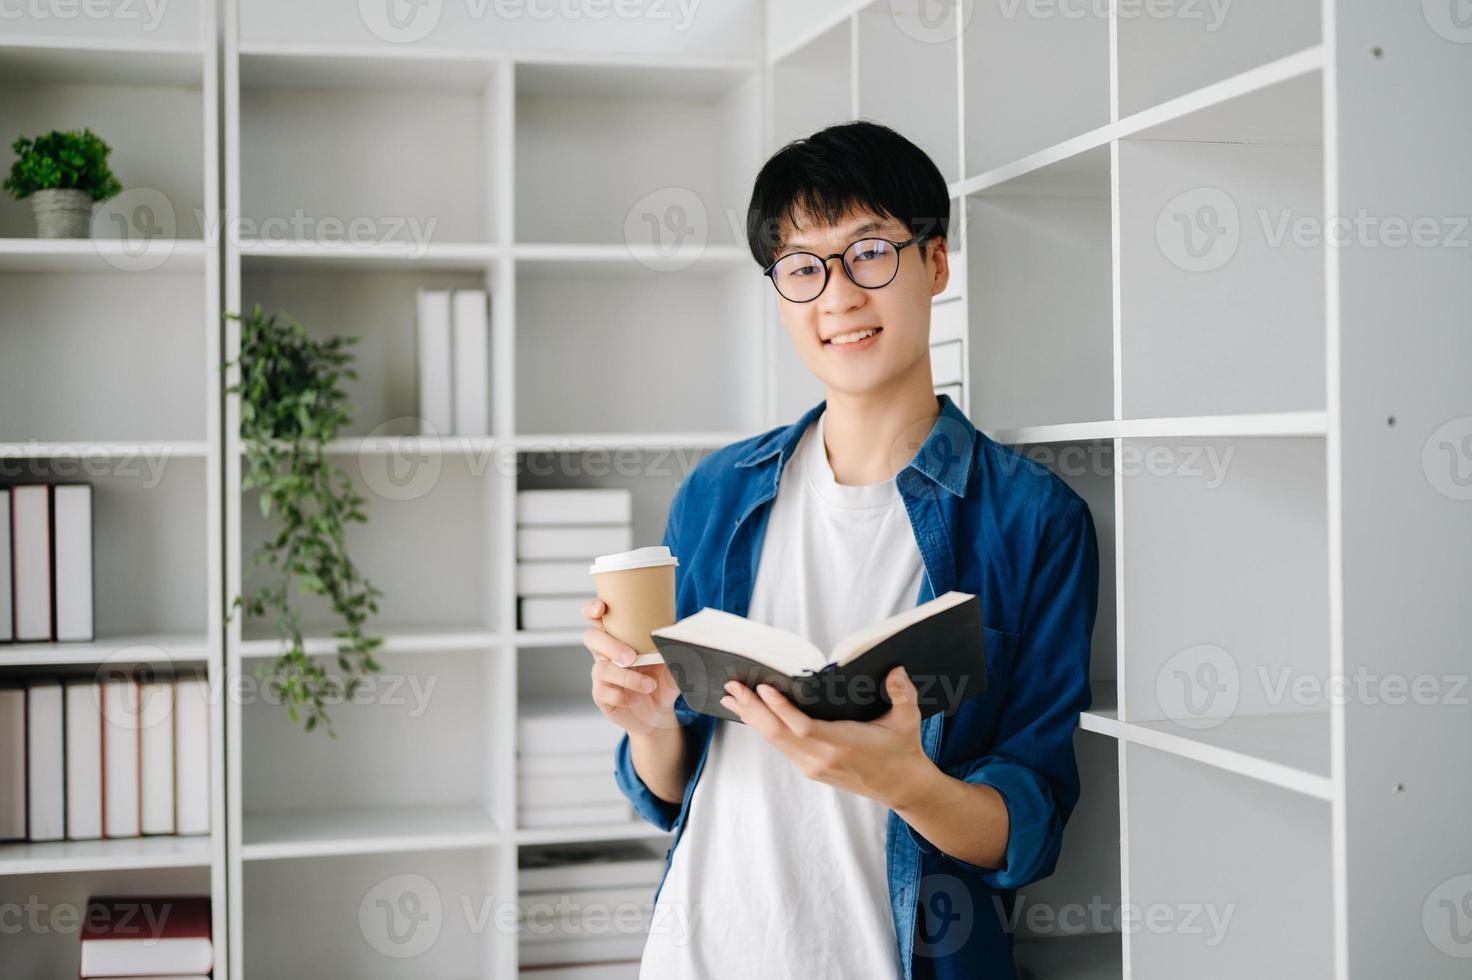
871,437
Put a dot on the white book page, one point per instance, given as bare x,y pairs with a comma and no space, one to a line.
856,643
776,648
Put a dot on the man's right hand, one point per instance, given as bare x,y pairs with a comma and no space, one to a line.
640,700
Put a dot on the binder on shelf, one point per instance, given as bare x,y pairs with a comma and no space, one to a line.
548,578
472,357
71,509
156,757
564,727
435,363
572,543
83,759
12,763
574,815
120,803
568,790
600,505
192,755
30,540
553,612
45,768
7,614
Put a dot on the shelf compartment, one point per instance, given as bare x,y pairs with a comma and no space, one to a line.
1161,58
1216,620
1286,750
49,329
813,86
1031,81
427,717
1221,297
584,335
1038,295
907,58
434,183
293,834
53,255
1222,846
156,649
379,307
335,916
398,638
1200,427
131,854
1096,956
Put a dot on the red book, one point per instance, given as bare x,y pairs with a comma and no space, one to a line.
147,936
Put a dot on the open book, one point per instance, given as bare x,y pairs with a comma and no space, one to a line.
939,643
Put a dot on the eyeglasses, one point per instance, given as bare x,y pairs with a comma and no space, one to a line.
801,277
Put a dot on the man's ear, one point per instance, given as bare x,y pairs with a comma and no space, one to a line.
938,264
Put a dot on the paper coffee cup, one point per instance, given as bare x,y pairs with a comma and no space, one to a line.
638,589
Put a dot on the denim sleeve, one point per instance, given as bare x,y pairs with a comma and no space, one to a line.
1031,763
659,812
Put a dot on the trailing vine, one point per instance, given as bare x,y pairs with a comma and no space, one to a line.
291,405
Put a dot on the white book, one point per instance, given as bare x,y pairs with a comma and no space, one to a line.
7,615
575,815
565,727
156,757
72,516
30,538
120,803
192,755
472,347
435,360
574,906
12,763
537,791
45,767
539,578
83,760
553,612
580,763
573,543
593,505
595,865
534,952
625,970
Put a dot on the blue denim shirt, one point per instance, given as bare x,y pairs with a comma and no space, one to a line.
988,521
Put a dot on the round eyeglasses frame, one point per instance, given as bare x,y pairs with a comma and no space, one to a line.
843,259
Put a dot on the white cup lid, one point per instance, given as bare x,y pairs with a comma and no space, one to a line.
638,558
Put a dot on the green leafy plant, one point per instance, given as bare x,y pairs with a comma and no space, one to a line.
74,160
291,406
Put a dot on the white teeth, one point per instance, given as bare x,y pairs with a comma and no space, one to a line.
850,338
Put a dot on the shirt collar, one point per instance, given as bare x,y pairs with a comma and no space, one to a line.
944,457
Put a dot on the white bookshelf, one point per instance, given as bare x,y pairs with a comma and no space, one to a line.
108,350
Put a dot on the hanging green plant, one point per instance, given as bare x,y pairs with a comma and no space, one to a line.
291,406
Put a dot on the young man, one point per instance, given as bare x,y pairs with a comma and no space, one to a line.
810,849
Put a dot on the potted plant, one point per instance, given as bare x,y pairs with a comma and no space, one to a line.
62,174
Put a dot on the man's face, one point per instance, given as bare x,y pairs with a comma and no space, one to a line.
900,310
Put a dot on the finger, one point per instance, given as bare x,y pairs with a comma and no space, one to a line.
604,646
594,609
610,695
744,702
607,673
904,698
785,711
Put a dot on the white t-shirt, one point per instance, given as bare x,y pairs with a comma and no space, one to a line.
778,875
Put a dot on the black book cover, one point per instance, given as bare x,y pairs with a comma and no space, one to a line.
944,655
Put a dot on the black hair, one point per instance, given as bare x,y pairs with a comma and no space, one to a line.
858,165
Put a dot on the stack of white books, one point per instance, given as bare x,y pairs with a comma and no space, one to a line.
45,562
150,938
454,360
558,534
565,765
585,909
82,759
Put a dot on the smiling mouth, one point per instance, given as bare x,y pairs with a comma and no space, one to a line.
854,337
